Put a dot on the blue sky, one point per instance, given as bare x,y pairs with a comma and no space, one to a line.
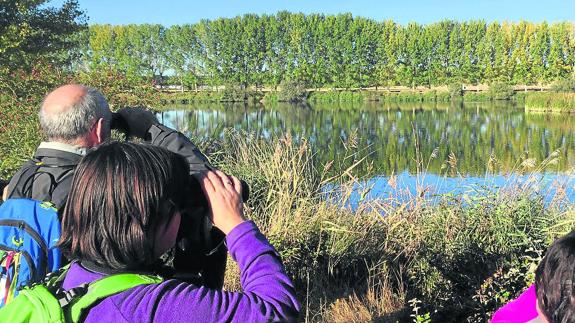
170,12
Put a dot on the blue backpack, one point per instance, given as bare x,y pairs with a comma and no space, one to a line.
29,231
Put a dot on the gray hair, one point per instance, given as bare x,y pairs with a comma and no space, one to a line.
77,121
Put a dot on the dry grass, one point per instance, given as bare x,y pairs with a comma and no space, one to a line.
461,257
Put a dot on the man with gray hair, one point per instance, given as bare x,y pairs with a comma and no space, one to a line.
74,118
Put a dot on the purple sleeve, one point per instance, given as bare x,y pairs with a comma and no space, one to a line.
522,309
268,294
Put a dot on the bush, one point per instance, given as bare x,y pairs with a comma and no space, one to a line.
500,91
476,97
336,96
119,88
21,94
455,91
293,91
234,93
564,85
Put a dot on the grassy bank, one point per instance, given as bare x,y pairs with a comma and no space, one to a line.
455,261
550,102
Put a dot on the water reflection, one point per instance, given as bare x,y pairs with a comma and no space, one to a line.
450,140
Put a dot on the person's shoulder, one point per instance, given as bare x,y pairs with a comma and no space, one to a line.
143,302
521,309
151,293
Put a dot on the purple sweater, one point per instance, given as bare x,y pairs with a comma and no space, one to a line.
268,294
522,309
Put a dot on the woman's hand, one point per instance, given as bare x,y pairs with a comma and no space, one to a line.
224,194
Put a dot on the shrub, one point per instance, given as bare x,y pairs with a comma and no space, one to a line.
455,90
500,91
461,258
564,85
292,91
119,88
234,93
476,97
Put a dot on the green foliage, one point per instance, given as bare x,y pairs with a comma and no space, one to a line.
339,51
19,100
500,91
292,91
520,96
33,31
189,97
476,97
234,93
417,317
119,89
336,96
564,85
553,102
462,258
19,132
455,90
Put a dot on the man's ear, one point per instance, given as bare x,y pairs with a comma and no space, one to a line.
100,131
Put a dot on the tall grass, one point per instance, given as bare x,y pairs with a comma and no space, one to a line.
378,96
550,102
458,259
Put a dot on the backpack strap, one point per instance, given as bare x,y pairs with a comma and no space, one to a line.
82,298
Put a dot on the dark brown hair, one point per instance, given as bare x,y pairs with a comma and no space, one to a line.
116,200
555,281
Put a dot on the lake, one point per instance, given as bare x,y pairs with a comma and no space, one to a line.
430,148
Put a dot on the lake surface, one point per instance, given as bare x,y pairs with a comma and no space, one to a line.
434,148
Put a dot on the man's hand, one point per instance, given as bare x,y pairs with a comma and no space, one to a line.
134,122
224,194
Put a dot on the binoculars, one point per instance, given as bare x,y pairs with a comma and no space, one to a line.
200,254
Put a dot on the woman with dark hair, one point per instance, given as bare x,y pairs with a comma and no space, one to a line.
123,212
552,298
555,282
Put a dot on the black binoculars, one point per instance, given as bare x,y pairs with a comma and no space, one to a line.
200,254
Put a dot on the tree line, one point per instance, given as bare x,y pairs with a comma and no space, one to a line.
334,51
315,50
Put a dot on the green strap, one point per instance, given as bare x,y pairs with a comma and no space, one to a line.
108,286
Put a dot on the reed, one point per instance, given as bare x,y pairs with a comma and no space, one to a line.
550,102
460,257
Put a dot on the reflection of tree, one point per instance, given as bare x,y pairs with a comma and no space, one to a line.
471,135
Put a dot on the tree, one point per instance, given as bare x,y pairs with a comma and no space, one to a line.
337,51
539,52
32,31
182,53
